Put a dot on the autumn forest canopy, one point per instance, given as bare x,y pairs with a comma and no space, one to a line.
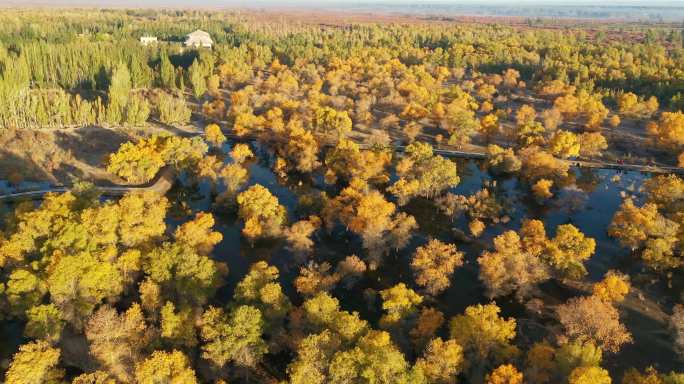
315,198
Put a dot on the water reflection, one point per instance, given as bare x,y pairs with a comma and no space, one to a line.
588,201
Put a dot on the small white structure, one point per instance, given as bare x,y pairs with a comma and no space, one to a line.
198,39
147,40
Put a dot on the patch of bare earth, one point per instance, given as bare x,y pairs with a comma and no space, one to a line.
61,156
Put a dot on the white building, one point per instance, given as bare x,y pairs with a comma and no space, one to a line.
198,39
147,40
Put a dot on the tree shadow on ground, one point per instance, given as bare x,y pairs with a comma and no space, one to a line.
90,144
69,174
175,130
652,345
15,169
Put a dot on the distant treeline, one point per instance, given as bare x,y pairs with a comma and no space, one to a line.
672,12
57,67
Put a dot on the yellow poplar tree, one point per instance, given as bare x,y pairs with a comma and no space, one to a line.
263,215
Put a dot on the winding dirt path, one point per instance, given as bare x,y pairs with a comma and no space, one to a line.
160,184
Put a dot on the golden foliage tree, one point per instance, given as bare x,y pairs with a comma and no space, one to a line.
511,268
240,153
315,278
589,375
537,164
367,213
502,160
592,144
505,374
540,366
442,361
263,215
117,340
300,149
542,189
647,229
668,131
198,235
298,236
423,174
483,334
348,161
429,321
568,250
434,263
35,363
140,162
613,288
214,135
592,319
171,367
564,144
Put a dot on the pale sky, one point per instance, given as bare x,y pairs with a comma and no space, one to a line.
363,4
314,3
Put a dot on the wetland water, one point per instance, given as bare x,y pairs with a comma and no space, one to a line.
589,203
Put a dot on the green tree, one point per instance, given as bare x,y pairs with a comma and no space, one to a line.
398,302
322,312
236,337
374,359
314,354
573,354
24,290
178,326
186,276
137,110
260,288
197,79
172,109
44,322
118,93
141,74
78,283
167,72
